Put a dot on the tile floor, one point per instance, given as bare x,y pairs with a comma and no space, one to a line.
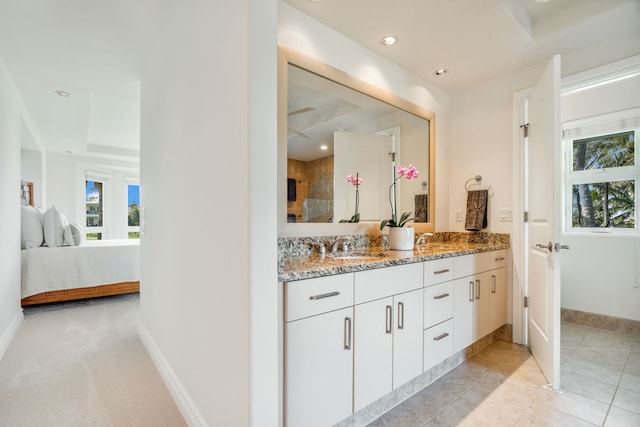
503,386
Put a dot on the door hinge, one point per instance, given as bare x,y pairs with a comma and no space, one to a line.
525,129
526,216
526,302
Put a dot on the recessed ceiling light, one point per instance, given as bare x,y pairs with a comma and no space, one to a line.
441,72
63,93
388,41
324,147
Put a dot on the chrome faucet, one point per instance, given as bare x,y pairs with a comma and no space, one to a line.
422,239
340,241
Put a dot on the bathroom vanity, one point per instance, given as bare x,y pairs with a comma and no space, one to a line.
366,330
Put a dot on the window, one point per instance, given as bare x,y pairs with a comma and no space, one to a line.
602,175
133,211
94,202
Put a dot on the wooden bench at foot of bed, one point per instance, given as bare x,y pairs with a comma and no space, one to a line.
82,293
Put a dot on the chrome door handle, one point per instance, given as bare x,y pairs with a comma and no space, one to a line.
548,246
558,246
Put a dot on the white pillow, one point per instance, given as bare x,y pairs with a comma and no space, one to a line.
31,227
73,235
54,224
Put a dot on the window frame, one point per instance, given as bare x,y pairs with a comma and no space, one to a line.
603,125
127,183
105,179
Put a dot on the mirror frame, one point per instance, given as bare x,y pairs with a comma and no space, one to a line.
289,56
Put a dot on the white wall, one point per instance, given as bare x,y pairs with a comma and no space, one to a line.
10,133
65,188
308,36
208,254
600,272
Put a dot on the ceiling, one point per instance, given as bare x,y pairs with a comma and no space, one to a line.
94,50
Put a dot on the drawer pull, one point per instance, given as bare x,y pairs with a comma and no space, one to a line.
446,270
500,258
347,333
441,336
327,295
441,296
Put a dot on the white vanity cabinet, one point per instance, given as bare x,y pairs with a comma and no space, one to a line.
388,319
480,296
498,290
318,350
438,311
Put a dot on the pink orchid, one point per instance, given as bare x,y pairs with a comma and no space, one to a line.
408,172
354,180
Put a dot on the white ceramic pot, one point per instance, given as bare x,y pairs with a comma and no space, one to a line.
401,238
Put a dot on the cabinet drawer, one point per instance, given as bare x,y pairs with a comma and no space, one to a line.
466,265
438,343
383,282
438,303
438,271
304,298
498,259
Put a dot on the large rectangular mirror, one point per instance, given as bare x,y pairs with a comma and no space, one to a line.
332,125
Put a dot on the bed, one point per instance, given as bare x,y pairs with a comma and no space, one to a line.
93,269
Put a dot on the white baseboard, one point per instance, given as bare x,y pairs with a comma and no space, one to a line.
187,407
8,335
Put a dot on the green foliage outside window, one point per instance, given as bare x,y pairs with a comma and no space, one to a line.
604,204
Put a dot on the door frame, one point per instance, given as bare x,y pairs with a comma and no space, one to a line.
519,233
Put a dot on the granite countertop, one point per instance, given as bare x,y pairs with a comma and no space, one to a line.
315,265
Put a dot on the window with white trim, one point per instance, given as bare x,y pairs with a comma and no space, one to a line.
95,208
133,209
602,173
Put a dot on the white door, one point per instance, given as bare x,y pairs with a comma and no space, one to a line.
543,202
319,369
372,351
367,154
407,337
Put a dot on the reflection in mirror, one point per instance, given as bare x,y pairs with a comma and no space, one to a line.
334,129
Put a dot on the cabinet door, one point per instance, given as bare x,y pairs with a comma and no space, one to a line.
373,351
463,312
318,369
498,298
407,337
482,326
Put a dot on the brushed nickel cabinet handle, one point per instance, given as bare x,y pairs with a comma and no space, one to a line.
389,320
446,270
441,336
477,289
493,283
327,295
471,291
347,333
500,258
441,296
400,315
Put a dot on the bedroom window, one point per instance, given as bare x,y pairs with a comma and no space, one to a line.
133,211
602,176
94,201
